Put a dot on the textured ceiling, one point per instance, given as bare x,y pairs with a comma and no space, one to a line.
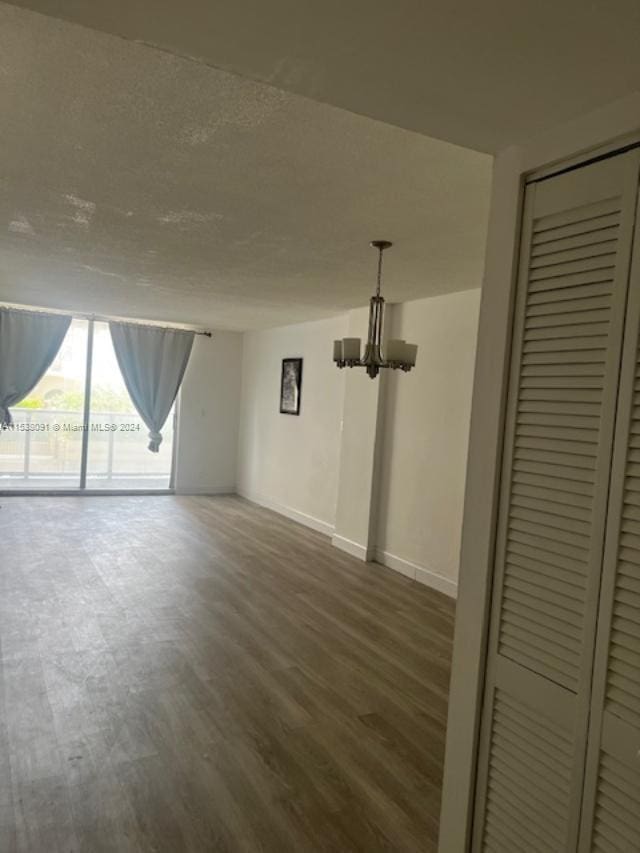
480,73
140,184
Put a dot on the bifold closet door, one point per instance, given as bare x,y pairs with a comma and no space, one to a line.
569,316
611,809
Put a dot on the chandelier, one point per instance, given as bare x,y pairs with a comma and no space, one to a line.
395,354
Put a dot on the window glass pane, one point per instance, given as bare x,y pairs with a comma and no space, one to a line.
43,449
118,454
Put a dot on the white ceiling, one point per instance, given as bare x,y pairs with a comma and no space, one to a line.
480,73
140,184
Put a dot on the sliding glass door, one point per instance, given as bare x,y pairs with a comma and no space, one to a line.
43,448
118,456
78,428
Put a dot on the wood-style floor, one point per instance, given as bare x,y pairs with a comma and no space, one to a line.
200,674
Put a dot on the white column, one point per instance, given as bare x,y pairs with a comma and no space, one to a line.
360,445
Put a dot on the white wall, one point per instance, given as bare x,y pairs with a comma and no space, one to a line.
208,416
380,464
425,437
288,462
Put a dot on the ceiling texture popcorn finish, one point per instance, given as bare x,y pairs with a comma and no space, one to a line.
480,74
142,184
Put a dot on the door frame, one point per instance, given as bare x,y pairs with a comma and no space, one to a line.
583,142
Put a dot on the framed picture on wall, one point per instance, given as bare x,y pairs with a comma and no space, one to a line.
290,385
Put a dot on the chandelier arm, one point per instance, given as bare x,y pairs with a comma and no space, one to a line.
372,324
380,320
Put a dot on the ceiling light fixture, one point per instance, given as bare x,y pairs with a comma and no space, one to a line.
396,354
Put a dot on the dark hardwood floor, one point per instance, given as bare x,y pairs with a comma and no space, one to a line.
200,674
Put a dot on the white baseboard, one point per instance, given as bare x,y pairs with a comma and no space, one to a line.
351,547
205,490
294,514
418,573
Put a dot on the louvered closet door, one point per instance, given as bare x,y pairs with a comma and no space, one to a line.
569,315
611,810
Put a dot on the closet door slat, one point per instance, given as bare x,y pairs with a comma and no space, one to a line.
611,808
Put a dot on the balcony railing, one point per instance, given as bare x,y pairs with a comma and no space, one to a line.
43,449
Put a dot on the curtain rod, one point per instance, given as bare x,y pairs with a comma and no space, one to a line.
100,318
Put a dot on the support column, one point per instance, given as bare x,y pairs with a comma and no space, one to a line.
360,448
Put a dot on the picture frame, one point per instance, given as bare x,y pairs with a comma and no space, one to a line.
290,386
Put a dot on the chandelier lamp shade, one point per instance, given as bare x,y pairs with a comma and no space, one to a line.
394,354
